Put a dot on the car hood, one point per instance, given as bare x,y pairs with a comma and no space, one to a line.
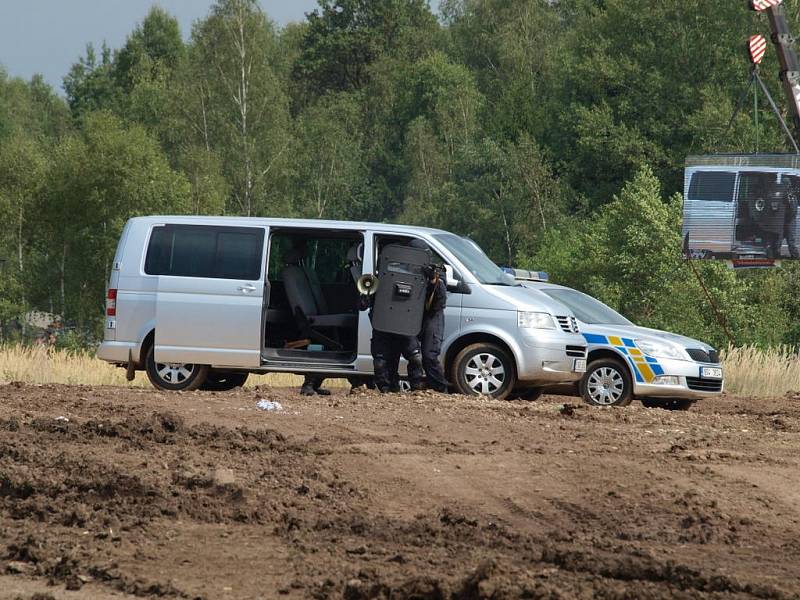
634,331
517,298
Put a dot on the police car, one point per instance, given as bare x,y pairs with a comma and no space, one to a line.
625,361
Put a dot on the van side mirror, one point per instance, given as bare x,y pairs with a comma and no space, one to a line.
454,283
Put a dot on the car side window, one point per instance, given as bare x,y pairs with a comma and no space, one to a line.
205,251
712,186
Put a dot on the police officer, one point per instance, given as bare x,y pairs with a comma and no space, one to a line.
790,219
386,349
432,333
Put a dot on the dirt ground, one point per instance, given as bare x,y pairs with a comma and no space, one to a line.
115,493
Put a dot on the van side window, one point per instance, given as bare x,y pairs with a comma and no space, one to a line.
712,186
201,251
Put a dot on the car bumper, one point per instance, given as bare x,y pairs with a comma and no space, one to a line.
549,357
117,352
690,384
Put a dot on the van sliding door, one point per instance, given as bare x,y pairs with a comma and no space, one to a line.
210,294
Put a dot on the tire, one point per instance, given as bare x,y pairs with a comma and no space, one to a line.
189,377
668,403
528,394
223,381
484,369
607,382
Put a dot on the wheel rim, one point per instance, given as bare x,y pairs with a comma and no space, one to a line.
174,373
485,374
605,386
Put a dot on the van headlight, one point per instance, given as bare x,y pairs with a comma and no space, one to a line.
535,320
659,349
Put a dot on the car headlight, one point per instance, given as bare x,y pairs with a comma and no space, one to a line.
659,349
535,320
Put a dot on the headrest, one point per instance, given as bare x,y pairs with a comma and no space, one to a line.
355,253
418,243
293,257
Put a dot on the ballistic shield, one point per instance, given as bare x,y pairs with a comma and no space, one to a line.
400,298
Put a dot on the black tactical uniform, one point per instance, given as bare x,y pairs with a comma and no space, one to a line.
386,349
432,334
790,222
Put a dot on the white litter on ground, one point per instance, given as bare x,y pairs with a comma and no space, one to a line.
269,405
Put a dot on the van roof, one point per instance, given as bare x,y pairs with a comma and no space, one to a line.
780,161
285,222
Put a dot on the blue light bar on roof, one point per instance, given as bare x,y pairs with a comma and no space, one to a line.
525,275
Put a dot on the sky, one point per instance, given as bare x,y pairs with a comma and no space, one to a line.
48,36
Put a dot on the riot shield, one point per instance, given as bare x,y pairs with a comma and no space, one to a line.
400,298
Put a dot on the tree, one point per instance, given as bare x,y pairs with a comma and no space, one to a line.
246,116
99,179
344,37
155,43
89,84
329,169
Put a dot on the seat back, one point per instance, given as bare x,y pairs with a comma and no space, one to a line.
355,260
316,290
298,290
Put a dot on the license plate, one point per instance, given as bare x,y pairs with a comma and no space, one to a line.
710,373
580,365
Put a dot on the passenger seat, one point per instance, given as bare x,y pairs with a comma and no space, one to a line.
305,306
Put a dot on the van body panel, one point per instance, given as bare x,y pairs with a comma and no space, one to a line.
211,320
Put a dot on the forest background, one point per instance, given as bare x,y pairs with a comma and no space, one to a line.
552,132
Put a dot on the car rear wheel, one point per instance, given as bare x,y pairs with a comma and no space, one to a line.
174,377
668,403
223,381
484,370
607,383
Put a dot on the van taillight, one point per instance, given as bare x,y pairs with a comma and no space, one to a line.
111,303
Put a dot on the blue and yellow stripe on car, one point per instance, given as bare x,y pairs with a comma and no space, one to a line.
644,368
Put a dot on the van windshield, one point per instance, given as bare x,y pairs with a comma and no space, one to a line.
474,259
586,308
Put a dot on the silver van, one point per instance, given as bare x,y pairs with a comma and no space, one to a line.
200,302
728,204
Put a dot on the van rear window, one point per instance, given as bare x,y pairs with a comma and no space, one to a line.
712,186
204,251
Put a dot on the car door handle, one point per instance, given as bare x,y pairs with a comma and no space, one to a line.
246,288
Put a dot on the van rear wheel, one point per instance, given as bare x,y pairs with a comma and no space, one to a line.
174,377
484,369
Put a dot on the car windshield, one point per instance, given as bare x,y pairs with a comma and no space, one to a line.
474,259
586,308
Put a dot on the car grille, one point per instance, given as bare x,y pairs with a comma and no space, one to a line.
704,385
568,324
700,355
577,351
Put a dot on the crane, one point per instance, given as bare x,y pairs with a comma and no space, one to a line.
787,55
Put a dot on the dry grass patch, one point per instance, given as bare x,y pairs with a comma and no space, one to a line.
38,364
751,371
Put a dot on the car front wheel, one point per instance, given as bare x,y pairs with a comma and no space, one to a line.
484,370
174,377
607,383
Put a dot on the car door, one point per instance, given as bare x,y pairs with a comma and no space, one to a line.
210,296
709,212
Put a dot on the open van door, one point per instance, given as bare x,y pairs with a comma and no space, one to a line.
210,296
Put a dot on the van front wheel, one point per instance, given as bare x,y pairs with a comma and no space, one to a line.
484,370
174,377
